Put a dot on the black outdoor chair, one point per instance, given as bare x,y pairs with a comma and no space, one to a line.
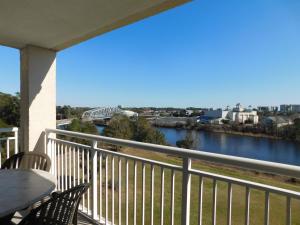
60,209
28,160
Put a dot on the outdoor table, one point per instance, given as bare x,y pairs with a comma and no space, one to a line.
22,188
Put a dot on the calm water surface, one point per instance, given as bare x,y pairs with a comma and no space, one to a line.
251,147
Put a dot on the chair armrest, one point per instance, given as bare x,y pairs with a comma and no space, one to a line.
55,194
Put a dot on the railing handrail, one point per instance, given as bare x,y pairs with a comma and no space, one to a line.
8,129
246,163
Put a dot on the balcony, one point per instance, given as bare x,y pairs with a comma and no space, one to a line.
151,184
142,183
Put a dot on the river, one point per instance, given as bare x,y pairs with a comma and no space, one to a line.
273,150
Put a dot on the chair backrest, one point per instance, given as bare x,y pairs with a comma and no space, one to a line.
60,209
28,160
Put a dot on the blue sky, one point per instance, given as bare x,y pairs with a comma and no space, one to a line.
207,53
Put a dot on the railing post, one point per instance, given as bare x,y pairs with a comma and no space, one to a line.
16,140
186,191
94,181
48,150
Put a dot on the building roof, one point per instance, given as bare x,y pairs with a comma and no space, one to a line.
278,119
58,24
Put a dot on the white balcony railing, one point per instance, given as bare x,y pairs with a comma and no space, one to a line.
8,142
128,189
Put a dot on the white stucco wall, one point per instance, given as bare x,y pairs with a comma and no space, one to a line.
38,96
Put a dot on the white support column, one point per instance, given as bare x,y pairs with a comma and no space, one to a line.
38,96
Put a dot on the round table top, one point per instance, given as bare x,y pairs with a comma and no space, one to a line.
22,188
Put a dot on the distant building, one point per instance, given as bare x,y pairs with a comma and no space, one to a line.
267,108
188,112
216,114
236,115
296,108
290,108
241,115
278,121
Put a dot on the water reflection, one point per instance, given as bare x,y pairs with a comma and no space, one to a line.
251,147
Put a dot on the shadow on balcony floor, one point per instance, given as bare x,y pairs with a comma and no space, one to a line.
81,220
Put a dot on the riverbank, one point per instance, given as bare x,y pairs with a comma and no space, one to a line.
219,129
189,123
249,134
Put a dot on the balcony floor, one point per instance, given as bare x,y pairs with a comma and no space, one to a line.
81,220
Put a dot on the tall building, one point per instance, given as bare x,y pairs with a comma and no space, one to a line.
290,108
267,108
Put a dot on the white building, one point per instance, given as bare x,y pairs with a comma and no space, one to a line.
241,115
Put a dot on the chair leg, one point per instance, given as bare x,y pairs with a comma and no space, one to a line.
75,217
6,219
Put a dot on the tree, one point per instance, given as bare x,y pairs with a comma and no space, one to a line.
83,127
297,128
10,109
119,127
140,129
189,142
144,132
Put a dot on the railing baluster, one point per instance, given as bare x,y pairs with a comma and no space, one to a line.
143,193
54,165
267,207
51,149
94,180
106,189
88,180
200,200
134,192
62,168
288,211
83,177
70,166
55,159
49,152
247,206
120,190
126,193
74,166
16,141
59,167
78,165
112,190
162,196
214,208
100,186
229,203
7,149
66,166
152,195
172,196
186,189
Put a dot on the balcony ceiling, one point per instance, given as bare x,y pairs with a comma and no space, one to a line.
58,24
